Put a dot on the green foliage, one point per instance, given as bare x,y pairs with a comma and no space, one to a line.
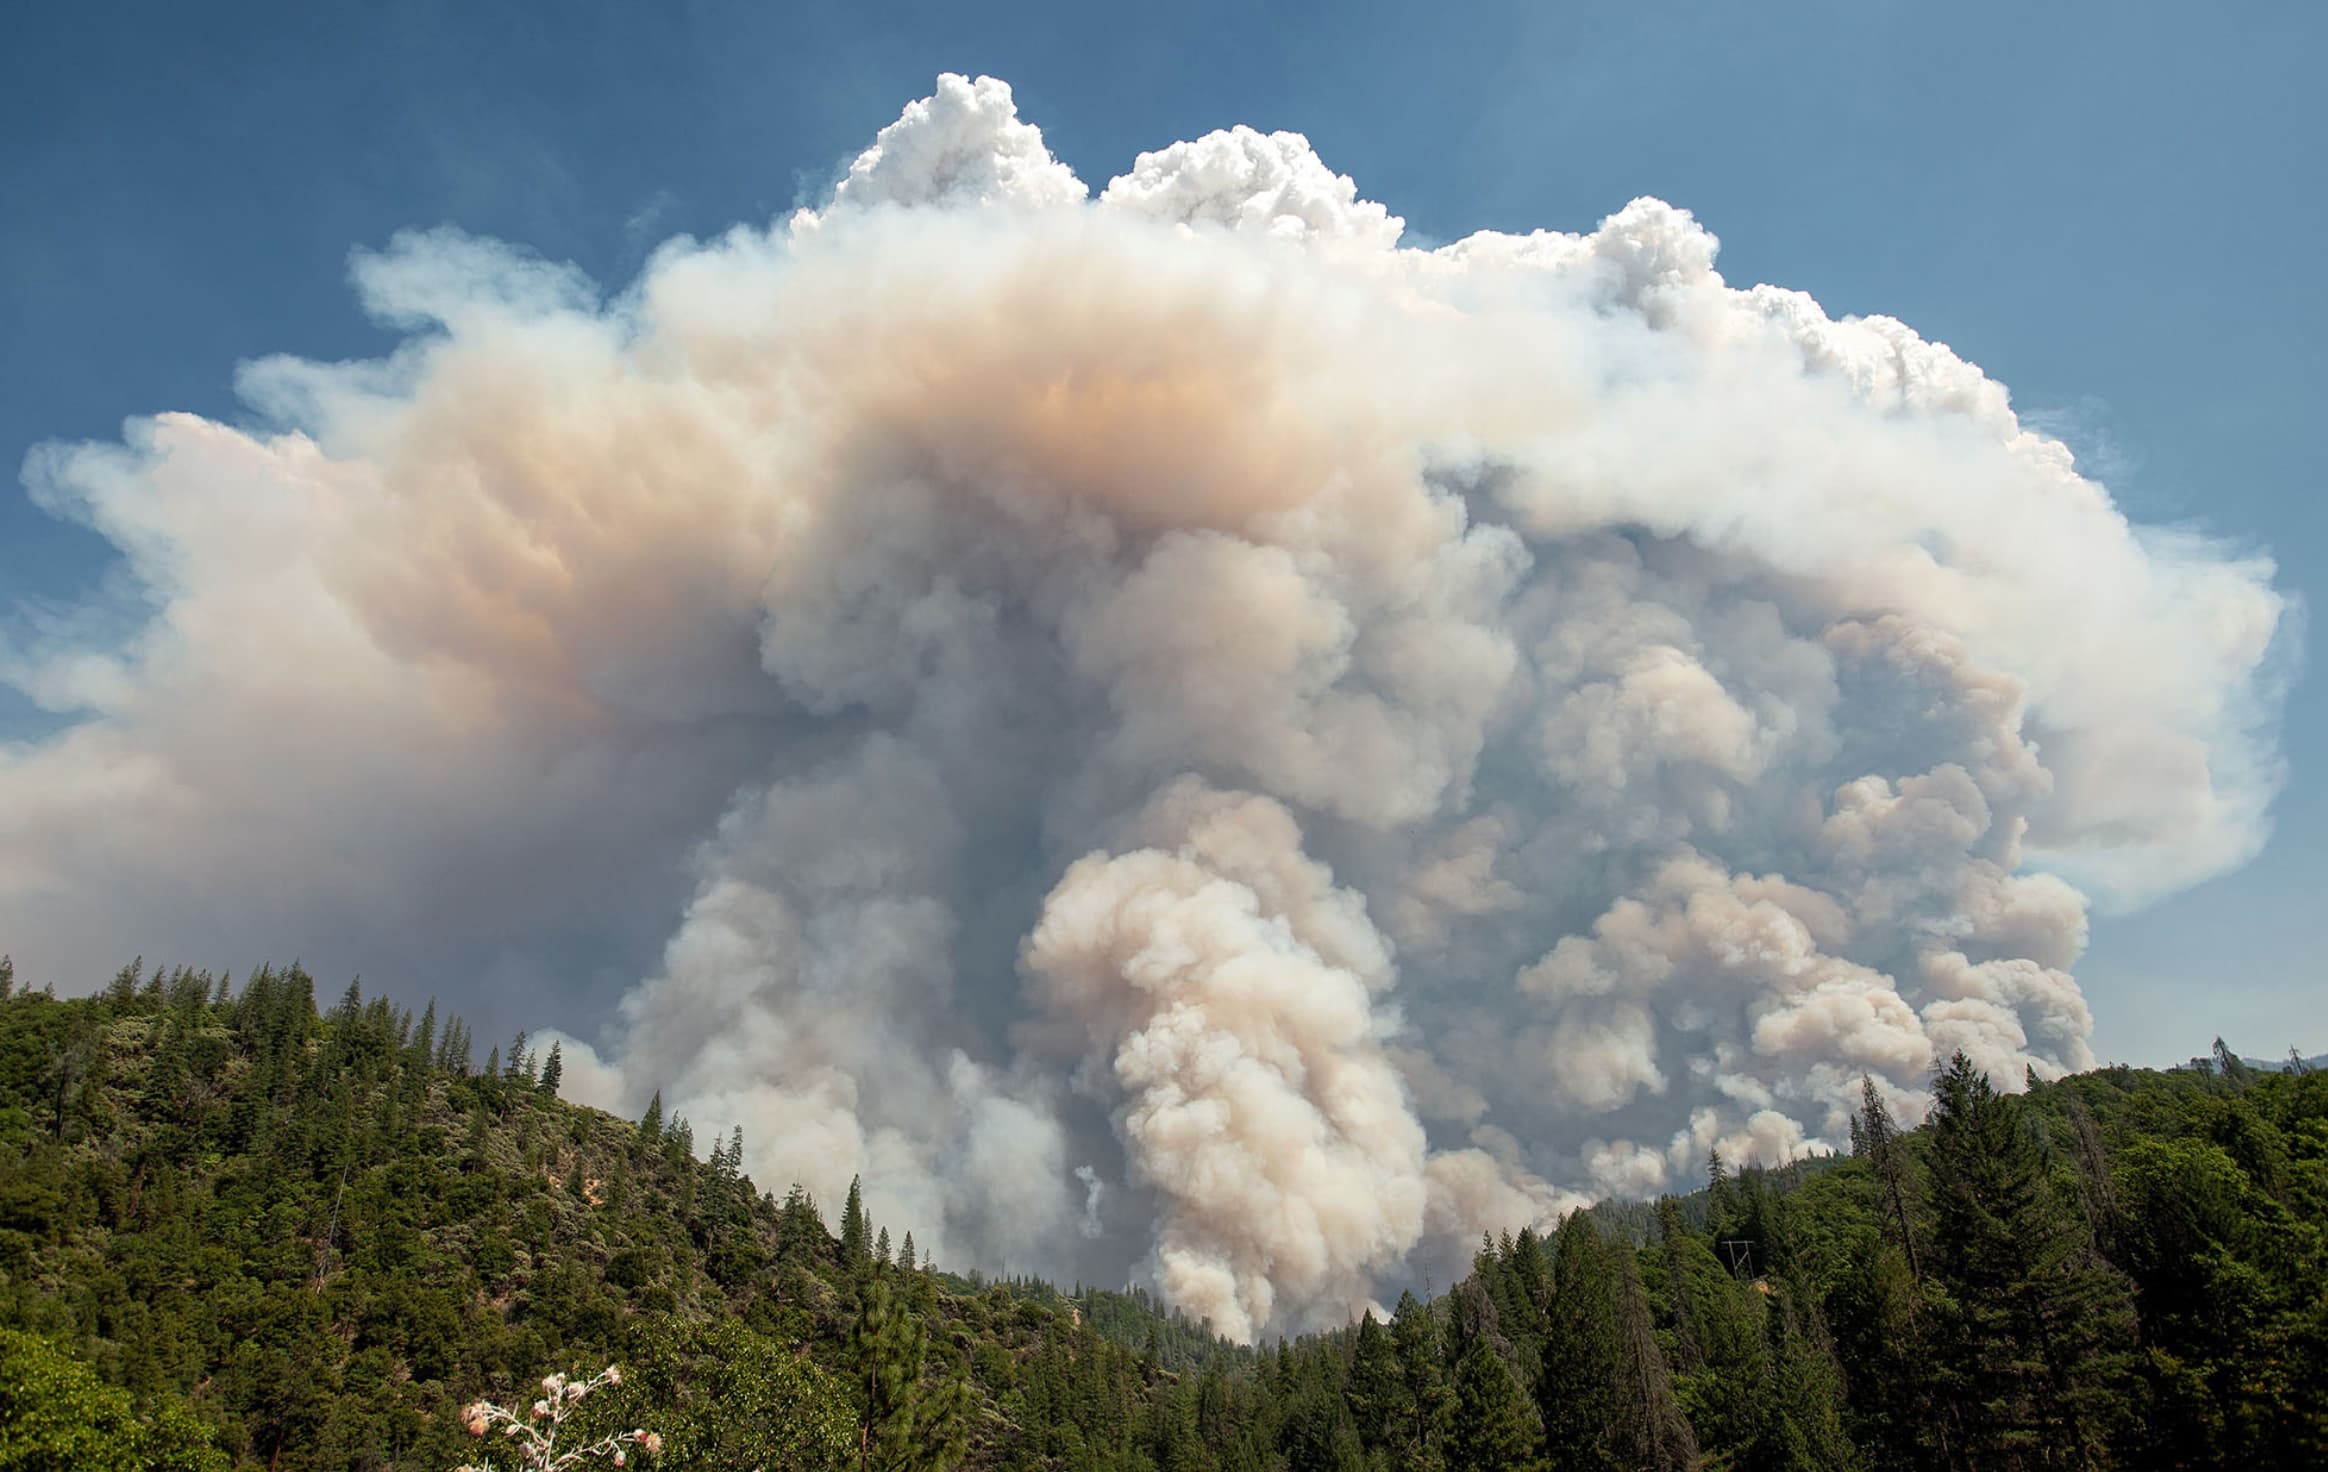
235,1231
914,1415
725,1397
2032,1315
1493,1430
57,1416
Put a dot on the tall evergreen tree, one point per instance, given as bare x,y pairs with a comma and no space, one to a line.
1493,1429
1876,1139
910,1422
1418,1439
1377,1391
1802,1422
855,1249
1649,1433
1720,1350
1675,1240
553,1069
1604,1392
2031,1311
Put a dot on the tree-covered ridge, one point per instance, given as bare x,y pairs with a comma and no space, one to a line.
310,1238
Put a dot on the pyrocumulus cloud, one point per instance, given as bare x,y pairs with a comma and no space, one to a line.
1171,733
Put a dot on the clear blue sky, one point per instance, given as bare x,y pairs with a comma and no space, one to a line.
2114,209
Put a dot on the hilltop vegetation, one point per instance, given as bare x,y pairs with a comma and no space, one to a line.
237,1232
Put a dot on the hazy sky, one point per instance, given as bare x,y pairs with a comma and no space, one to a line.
2110,209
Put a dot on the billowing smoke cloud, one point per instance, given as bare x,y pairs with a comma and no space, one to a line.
1172,734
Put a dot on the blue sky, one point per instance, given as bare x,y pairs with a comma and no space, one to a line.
2112,209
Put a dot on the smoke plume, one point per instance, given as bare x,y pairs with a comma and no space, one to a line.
1171,733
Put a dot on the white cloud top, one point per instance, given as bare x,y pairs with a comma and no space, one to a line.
1170,732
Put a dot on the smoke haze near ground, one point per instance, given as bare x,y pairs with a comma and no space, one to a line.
1170,733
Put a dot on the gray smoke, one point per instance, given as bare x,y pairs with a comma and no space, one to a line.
1170,733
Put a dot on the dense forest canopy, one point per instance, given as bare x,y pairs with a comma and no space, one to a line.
237,1230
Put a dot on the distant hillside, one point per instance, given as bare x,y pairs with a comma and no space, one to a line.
2290,1064
325,1234
237,1232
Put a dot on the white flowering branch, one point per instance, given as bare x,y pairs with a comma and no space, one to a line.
535,1434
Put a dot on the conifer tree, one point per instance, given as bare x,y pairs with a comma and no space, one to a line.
1493,1429
905,1257
1802,1423
553,1069
2022,1355
1315,1433
1688,1353
1719,1343
1650,1433
1877,1139
854,1248
1604,1391
453,1053
651,1123
123,990
910,1422
7,978
1414,1338
422,1046
1721,1199
1377,1391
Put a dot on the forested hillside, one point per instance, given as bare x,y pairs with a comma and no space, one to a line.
235,1232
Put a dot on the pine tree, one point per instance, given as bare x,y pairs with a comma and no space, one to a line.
910,1422
122,993
423,1043
7,978
905,1255
1688,1353
453,1051
553,1069
2231,1066
1719,1343
2023,1348
1650,1433
1802,1425
1493,1430
881,1248
1876,1138
1414,1338
1377,1392
1721,1199
651,1123
1604,1391
1315,1433
854,1247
